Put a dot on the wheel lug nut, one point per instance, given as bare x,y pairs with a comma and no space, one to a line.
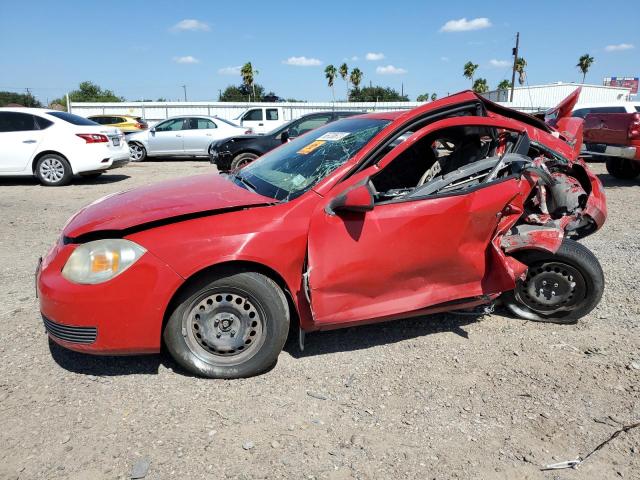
233,333
555,285
218,335
553,293
544,282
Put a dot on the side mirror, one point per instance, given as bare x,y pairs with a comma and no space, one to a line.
153,130
284,136
358,198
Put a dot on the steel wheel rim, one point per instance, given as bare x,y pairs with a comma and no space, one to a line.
245,161
135,151
52,169
552,287
224,326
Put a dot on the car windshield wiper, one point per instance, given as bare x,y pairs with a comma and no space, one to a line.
245,182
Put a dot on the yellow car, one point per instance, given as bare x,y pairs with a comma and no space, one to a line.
126,123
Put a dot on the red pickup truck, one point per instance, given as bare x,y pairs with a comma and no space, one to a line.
616,136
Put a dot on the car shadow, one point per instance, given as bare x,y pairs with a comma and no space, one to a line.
107,366
610,181
367,336
103,179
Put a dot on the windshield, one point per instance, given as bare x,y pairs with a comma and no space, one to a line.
291,170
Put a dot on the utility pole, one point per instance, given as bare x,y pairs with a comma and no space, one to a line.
515,62
184,87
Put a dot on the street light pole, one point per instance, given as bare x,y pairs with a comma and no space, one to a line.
515,63
184,87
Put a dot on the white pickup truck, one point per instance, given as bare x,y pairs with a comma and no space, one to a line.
263,119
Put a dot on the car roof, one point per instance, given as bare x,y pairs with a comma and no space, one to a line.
606,104
114,115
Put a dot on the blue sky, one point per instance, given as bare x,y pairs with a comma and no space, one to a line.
148,49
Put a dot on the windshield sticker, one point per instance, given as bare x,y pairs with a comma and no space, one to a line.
333,136
311,147
298,180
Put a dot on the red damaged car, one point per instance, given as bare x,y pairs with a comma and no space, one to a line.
382,216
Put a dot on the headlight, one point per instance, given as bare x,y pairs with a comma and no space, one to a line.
99,261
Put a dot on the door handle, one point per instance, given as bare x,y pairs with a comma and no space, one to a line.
208,134
178,135
29,141
261,124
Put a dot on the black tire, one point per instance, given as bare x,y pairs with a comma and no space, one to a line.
623,168
53,170
256,313
241,160
137,152
573,271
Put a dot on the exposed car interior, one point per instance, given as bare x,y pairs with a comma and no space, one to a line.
450,160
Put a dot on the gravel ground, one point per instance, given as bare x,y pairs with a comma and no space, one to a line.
437,397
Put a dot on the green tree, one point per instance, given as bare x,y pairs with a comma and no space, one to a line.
330,75
423,98
344,74
25,99
242,93
584,63
504,85
521,65
356,77
89,92
376,94
434,97
480,86
248,76
470,70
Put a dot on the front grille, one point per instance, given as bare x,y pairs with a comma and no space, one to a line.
69,333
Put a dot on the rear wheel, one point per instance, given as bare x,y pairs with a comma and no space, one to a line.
228,326
241,160
53,170
623,167
137,152
560,287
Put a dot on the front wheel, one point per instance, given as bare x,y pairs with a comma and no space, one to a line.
560,287
623,168
228,326
242,160
137,152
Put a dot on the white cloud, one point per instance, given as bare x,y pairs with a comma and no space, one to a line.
464,25
499,63
190,24
444,59
355,58
302,61
186,59
374,56
230,70
390,70
619,47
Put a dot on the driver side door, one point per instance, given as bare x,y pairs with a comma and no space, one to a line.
405,254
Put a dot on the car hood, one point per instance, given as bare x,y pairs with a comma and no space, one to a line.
161,203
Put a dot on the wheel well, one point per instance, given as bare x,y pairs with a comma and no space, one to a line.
42,154
253,152
235,266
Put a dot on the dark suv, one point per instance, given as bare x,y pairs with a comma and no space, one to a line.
235,152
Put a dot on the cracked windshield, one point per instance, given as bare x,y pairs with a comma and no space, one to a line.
291,170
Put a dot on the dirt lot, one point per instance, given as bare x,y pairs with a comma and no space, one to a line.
438,397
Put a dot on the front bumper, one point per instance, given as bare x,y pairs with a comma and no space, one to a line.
221,159
126,313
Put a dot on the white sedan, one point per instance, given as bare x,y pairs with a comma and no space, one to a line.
181,136
54,145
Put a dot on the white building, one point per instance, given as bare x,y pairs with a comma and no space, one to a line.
542,97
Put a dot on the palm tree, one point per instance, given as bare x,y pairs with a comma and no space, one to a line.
504,85
434,97
480,86
584,63
344,74
330,74
356,77
423,98
521,64
469,70
247,72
